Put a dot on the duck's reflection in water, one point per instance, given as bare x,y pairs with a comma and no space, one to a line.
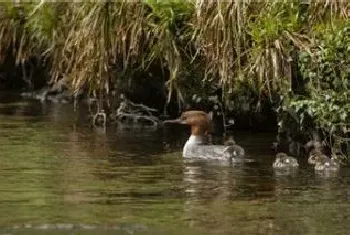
224,188
204,184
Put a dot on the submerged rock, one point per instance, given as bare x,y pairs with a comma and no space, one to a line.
57,93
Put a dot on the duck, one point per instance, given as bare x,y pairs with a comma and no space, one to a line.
315,156
197,144
321,162
283,161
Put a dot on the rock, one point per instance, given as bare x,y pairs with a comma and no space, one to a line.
57,93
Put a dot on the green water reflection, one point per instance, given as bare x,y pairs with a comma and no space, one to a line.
60,176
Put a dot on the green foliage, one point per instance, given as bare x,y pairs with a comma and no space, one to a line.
326,66
330,110
170,10
280,17
41,21
162,22
325,69
327,72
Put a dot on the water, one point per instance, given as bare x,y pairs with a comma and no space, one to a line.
60,176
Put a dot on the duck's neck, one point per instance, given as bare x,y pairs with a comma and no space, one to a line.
192,145
196,139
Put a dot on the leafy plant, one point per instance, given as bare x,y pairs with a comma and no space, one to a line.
326,71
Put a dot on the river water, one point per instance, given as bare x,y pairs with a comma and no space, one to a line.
58,175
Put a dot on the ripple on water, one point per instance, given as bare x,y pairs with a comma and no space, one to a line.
59,176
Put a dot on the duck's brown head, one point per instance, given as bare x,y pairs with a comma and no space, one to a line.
198,120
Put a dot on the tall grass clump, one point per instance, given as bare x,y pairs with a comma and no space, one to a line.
296,49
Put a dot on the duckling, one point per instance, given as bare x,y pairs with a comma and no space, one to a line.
315,156
284,161
341,159
234,148
323,164
230,141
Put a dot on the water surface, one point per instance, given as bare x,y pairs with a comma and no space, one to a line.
58,175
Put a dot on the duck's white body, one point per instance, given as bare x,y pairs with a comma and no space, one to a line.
196,147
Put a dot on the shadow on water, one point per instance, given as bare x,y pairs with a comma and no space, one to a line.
60,176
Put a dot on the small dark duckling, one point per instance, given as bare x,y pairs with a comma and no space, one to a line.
234,148
284,161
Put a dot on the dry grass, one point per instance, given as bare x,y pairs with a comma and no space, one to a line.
238,41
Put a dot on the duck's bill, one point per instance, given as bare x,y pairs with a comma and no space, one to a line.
174,121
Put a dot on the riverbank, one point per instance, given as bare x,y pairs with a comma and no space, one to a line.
264,61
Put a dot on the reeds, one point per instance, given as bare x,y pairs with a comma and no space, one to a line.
236,41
